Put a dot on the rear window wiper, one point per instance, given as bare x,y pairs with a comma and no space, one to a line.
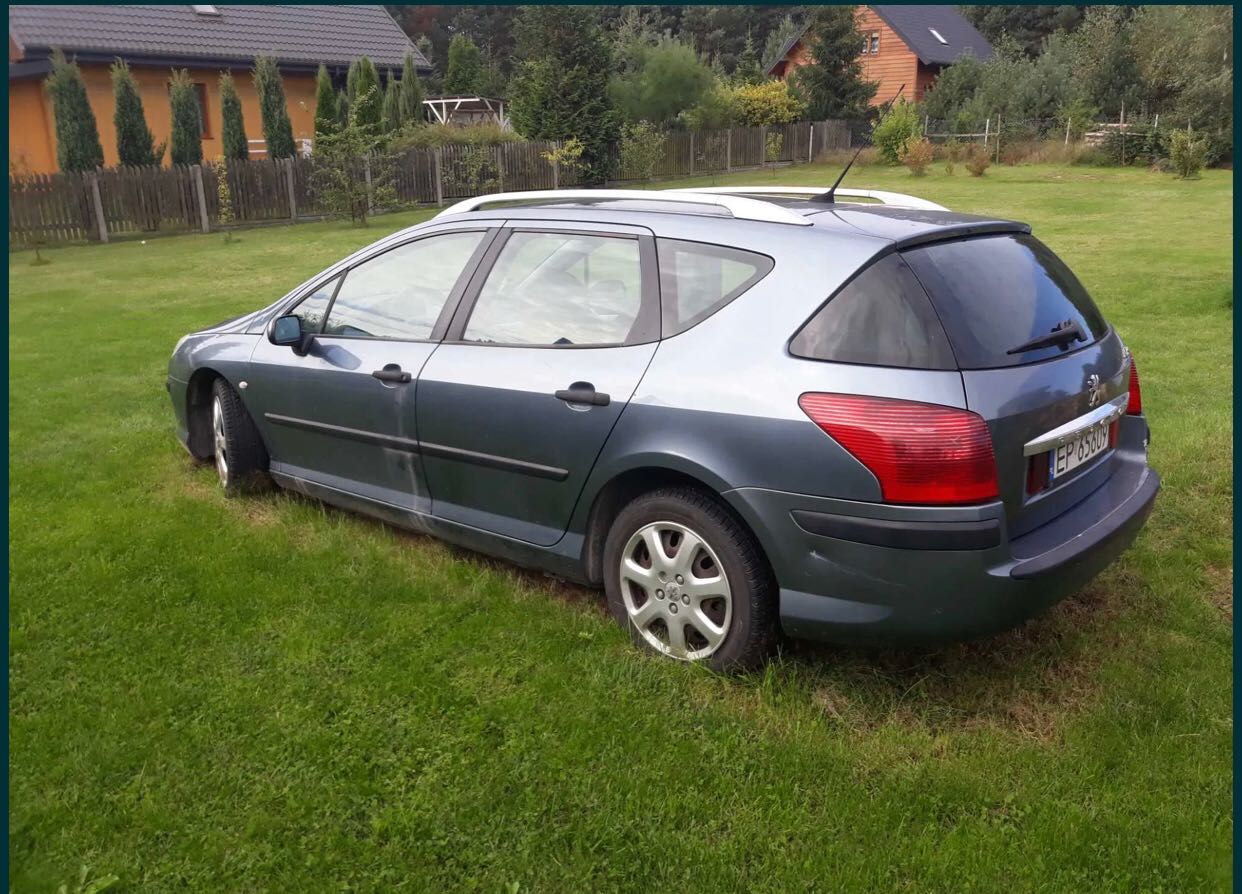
1062,334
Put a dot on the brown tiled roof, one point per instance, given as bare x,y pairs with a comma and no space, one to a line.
299,35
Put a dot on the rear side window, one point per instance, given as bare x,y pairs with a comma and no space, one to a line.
997,293
697,279
881,317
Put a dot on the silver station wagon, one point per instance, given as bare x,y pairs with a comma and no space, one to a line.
850,417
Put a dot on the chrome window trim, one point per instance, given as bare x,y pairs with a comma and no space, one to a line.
1063,434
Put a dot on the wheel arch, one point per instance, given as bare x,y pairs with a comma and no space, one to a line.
198,411
625,485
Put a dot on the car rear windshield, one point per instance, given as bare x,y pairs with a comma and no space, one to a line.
880,318
996,294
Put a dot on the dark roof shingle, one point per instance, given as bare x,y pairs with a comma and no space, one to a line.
302,35
914,25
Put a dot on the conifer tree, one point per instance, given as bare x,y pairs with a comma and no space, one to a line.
277,131
391,111
134,143
325,102
77,136
367,99
233,125
187,120
411,93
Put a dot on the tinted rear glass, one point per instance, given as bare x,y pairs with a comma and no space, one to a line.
995,293
881,317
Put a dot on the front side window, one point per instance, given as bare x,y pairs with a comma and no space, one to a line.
314,307
400,293
561,289
697,279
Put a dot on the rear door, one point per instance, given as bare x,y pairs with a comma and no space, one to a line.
540,360
998,298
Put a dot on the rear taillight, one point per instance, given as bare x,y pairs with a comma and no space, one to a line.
921,453
1135,407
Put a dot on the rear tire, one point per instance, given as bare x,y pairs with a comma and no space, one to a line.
237,449
689,582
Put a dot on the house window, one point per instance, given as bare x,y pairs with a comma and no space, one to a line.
201,91
875,43
936,34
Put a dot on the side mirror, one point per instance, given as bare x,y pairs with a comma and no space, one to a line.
287,332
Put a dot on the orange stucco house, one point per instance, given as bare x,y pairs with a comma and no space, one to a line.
206,40
907,45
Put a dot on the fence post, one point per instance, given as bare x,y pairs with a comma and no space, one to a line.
439,181
986,125
691,152
556,169
98,203
366,172
810,142
500,167
1067,128
763,146
197,170
998,136
729,149
293,201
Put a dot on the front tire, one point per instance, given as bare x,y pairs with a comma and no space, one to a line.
689,581
237,449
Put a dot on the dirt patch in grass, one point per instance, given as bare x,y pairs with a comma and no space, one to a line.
1220,589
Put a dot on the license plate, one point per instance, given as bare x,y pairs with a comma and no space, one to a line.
1088,445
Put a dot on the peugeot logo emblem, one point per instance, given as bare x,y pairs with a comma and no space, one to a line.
1094,390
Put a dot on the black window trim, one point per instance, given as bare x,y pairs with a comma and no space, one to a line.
437,330
648,271
726,299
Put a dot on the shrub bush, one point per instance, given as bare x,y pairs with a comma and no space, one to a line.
642,144
951,151
977,160
917,156
1187,153
895,130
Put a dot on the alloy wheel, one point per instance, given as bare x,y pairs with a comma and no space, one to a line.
675,591
221,444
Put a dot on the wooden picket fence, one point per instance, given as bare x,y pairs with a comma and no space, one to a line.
46,209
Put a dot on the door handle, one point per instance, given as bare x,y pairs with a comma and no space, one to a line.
392,373
583,393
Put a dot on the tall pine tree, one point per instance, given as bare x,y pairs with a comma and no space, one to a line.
325,103
187,120
832,85
560,89
233,125
391,109
465,67
77,136
411,93
277,131
134,143
342,109
367,98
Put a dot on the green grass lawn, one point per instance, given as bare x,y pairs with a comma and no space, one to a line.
267,695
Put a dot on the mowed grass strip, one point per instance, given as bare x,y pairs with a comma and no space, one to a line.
268,695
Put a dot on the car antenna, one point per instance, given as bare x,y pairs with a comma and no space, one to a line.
829,197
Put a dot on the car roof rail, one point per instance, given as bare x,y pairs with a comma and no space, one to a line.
740,207
882,197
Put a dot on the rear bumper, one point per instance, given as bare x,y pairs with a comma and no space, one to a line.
857,572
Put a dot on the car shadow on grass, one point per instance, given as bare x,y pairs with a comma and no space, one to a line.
1028,680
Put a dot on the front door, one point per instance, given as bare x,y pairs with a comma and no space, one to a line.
343,414
537,366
